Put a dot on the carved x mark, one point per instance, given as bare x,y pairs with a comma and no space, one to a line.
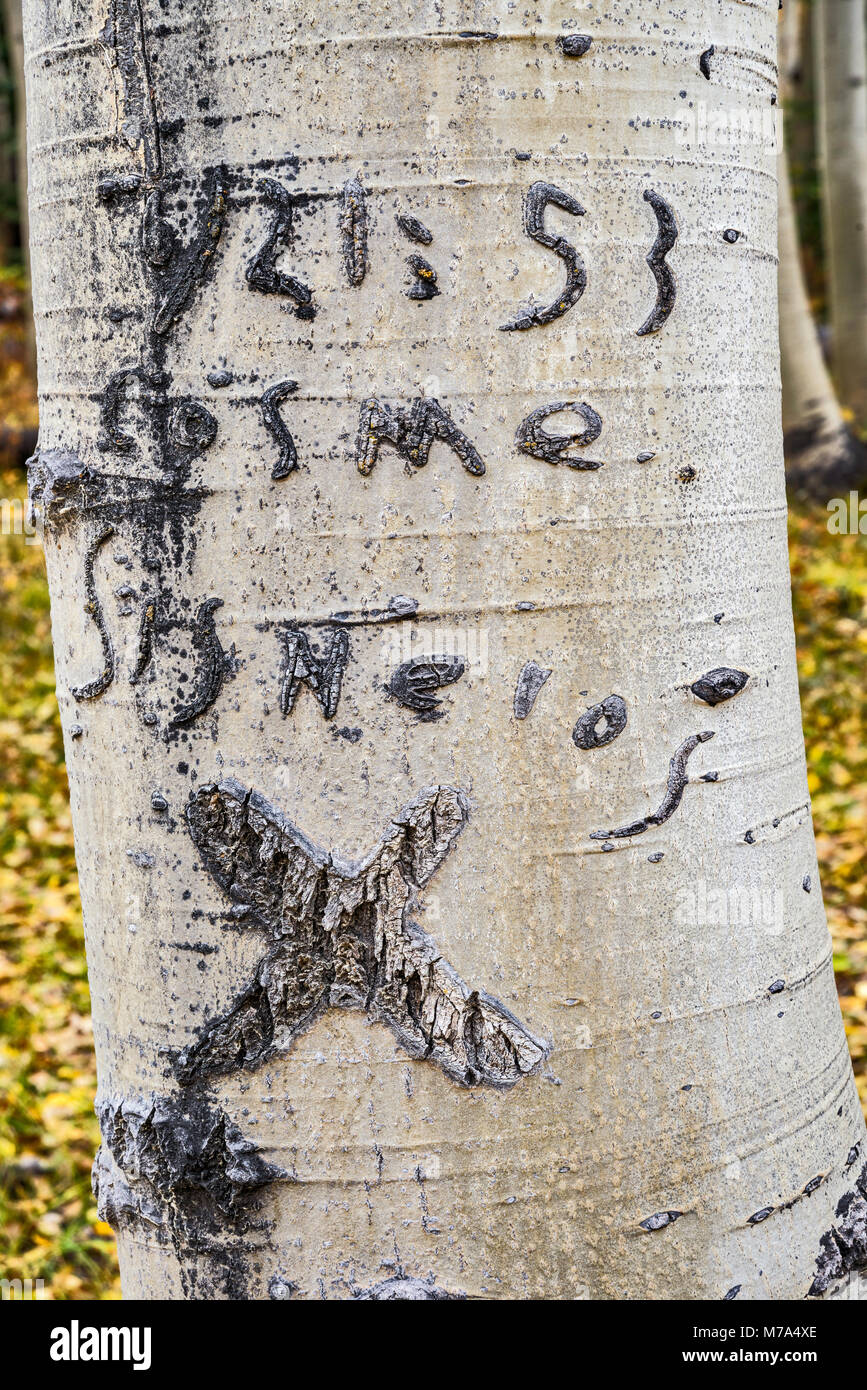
341,936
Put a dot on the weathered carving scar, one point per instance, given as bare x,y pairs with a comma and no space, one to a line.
341,936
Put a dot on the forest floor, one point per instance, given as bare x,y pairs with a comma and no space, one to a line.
49,1228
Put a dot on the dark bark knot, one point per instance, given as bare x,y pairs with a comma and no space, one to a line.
340,935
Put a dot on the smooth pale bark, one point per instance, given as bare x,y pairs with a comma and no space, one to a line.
841,58
820,450
695,1124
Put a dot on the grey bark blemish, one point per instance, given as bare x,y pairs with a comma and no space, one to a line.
158,237
530,681
666,286
192,426
532,439
536,201
353,230
611,712
281,1289
659,1220
843,1248
124,32
677,781
413,683
718,685
414,229
402,1287
574,45
262,273
410,431
93,608
423,283
322,674
272,399
167,1159
340,935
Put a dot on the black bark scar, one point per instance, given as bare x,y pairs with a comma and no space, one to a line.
532,439
411,432
353,230
301,666
93,608
214,664
535,203
197,263
340,935
274,423
666,286
262,273
414,682
530,681
677,780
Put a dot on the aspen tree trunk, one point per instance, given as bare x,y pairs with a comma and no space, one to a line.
15,43
821,452
411,474
841,58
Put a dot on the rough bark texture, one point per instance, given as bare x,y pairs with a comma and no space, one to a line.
338,567
841,57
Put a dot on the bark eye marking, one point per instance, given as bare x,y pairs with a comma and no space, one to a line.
262,273
720,684
93,608
532,439
666,286
276,426
340,935
611,712
414,682
530,682
539,196
411,432
323,675
677,780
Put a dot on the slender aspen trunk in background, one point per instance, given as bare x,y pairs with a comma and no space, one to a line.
820,450
15,44
411,474
840,41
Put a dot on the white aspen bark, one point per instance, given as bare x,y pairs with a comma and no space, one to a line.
314,692
841,58
821,451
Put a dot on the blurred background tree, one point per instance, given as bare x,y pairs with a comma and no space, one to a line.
48,1224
